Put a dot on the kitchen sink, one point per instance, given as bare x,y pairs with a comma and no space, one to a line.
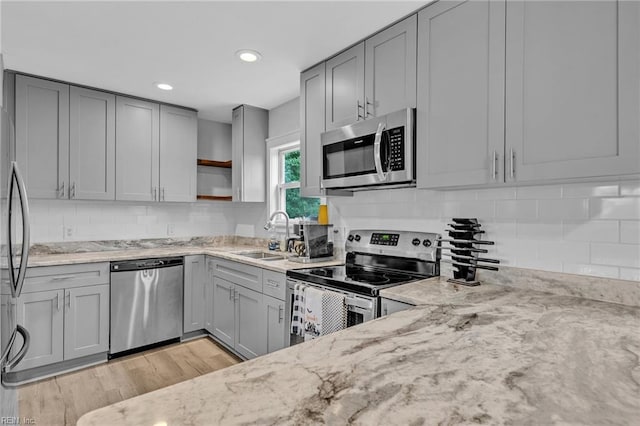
261,255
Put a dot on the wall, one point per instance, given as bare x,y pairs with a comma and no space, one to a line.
284,118
587,228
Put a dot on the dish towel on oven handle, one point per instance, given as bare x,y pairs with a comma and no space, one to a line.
334,312
297,311
312,313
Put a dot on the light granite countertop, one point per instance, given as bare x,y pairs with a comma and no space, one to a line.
110,251
489,354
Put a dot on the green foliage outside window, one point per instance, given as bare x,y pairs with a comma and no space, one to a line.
297,206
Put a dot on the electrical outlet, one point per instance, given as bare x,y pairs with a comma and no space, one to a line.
68,231
171,229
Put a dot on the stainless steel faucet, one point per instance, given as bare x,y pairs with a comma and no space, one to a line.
269,224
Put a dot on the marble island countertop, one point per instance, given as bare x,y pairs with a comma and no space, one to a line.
108,251
489,355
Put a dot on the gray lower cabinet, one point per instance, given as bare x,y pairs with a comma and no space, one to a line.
86,321
390,306
66,311
42,314
195,293
224,327
276,333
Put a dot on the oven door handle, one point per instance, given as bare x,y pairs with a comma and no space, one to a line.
382,175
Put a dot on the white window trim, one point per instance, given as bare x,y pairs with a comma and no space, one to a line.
275,146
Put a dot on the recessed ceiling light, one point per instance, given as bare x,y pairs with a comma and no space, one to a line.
248,55
164,86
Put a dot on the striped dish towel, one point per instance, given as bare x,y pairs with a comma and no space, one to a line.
297,314
334,312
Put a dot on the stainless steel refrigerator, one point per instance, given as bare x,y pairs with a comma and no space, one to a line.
14,236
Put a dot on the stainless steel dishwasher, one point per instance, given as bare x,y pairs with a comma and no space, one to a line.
146,302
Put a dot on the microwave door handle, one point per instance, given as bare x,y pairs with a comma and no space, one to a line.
26,342
7,350
17,281
382,176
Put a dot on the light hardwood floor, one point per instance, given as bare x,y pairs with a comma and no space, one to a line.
62,400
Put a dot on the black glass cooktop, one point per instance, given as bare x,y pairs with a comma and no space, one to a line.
354,278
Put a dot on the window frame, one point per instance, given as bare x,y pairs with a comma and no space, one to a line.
276,146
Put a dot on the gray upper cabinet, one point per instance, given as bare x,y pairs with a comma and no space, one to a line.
178,154
42,136
572,92
86,321
92,144
345,88
137,149
390,69
460,110
249,131
312,125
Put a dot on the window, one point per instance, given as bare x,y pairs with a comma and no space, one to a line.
289,198
284,179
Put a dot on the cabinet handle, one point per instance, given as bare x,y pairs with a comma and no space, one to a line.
230,293
320,182
358,107
72,193
273,283
280,313
68,299
494,172
366,107
385,308
512,156
58,302
153,194
163,193
61,191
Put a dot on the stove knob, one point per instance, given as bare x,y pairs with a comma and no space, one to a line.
426,243
415,242
357,237
350,238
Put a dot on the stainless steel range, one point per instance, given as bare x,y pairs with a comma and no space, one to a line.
375,260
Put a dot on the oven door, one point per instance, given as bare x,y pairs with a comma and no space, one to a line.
378,151
359,308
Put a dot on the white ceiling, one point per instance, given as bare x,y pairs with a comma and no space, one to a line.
126,46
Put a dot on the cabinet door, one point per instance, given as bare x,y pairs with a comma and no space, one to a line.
345,88
137,150
572,93
92,144
194,293
42,136
42,314
460,117
249,129
251,338
390,69
274,311
86,321
208,306
224,327
178,154
312,122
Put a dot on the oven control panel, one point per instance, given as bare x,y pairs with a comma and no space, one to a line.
420,245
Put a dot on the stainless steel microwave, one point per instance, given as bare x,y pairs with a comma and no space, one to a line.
377,152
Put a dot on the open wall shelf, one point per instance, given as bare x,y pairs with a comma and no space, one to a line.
213,163
215,197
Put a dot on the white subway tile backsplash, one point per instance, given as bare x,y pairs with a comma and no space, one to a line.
585,190
563,209
539,230
593,270
615,208
461,195
538,192
630,274
630,231
563,251
605,231
516,209
497,194
625,255
630,188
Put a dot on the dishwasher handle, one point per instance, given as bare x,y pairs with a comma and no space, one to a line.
136,265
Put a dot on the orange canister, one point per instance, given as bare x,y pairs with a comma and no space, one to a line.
323,215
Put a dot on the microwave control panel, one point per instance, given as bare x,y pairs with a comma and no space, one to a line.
396,148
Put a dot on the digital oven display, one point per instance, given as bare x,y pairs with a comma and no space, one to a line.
380,239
